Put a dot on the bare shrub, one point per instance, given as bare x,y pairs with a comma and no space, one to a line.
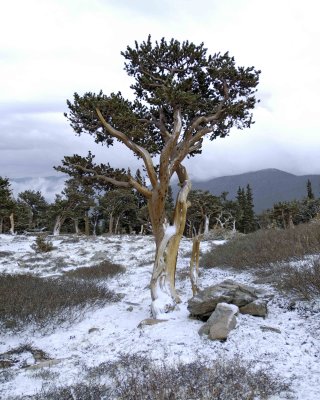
137,378
303,281
46,302
264,247
105,269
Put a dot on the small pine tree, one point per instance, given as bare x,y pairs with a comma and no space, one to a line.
310,194
245,215
249,211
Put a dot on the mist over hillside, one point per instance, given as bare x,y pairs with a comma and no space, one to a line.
269,186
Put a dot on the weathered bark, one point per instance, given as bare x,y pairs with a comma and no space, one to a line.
206,224
11,217
163,292
94,227
111,224
76,226
86,224
58,224
116,228
1,224
194,263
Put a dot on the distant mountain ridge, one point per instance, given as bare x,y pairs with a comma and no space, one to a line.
269,186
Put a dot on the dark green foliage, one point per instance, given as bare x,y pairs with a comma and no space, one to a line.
310,194
36,208
245,216
120,207
46,302
265,247
170,75
7,203
204,205
287,214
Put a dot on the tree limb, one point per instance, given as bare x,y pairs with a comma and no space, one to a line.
132,146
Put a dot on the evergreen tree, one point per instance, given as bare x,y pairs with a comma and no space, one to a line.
310,194
7,203
249,217
181,96
245,219
37,208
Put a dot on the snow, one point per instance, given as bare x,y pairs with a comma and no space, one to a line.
293,353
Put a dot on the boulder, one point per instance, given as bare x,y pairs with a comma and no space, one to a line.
221,322
257,308
205,301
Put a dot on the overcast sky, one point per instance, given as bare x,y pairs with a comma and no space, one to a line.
51,48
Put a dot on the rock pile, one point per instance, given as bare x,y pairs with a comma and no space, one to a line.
219,305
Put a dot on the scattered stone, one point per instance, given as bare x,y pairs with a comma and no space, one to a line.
130,303
205,301
150,321
265,328
221,322
257,308
91,330
130,308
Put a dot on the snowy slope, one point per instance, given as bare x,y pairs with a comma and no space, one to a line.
293,353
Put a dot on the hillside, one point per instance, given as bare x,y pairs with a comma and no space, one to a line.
269,186
71,353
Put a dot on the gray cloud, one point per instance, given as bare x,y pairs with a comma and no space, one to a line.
63,46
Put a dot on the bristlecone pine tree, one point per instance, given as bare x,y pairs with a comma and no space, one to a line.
181,96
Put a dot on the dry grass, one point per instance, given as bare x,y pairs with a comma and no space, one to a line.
46,302
105,269
264,247
303,281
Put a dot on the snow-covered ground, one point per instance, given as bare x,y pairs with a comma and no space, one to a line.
292,350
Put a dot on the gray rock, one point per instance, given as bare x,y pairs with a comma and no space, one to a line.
257,308
265,328
150,321
221,322
204,303
91,330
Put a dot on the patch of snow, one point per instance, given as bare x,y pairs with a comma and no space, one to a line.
106,332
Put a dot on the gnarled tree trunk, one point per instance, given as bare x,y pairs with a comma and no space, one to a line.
194,263
167,237
11,217
76,226
58,224
206,224
86,224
